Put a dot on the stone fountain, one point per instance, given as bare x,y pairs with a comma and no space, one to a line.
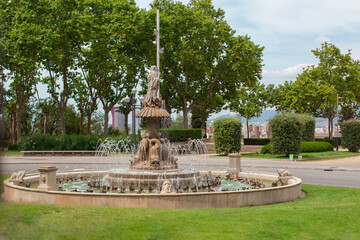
153,161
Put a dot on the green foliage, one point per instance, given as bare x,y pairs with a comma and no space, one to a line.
308,127
12,147
181,135
316,147
350,131
266,149
60,142
331,141
286,134
227,135
305,147
256,141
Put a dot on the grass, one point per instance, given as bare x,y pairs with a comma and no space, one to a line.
11,152
326,213
329,154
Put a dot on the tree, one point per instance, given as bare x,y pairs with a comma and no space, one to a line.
202,59
315,89
249,103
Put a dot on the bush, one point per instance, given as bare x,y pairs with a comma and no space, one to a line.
308,127
256,141
316,147
181,135
227,135
266,149
60,142
286,134
13,147
331,141
350,131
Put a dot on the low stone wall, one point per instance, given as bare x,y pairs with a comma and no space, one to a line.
231,199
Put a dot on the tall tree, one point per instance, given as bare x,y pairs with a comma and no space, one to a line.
316,88
202,56
249,103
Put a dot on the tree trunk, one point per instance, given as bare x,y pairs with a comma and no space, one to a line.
106,121
88,131
62,120
330,128
81,123
247,128
126,123
13,123
45,122
18,123
186,119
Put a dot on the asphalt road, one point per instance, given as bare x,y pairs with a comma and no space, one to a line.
339,172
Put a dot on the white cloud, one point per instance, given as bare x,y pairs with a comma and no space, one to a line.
280,76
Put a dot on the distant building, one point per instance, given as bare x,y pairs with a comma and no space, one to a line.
118,119
257,130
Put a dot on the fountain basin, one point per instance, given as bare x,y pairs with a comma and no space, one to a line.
228,199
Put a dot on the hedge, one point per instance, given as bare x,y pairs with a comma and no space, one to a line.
181,135
59,142
286,134
350,131
305,147
308,126
256,141
227,135
331,141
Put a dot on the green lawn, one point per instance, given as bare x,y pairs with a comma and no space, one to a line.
15,152
326,213
330,154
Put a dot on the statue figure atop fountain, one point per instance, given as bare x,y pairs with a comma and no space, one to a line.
153,154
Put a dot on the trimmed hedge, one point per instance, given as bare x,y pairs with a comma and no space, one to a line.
60,142
316,147
308,126
181,135
305,147
331,141
256,141
350,131
227,135
286,134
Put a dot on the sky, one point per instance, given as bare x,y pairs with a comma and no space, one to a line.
290,29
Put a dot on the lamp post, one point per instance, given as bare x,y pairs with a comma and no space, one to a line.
337,122
134,106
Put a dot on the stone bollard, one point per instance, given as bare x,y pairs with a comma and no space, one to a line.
47,179
234,163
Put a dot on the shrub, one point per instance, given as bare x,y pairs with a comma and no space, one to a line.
181,135
13,147
60,142
227,135
316,147
350,131
266,149
256,141
331,141
286,134
308,127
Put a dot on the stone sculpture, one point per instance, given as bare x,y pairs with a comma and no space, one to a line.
283,178
153,154
166,187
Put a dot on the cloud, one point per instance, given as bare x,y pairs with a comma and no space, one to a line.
280,76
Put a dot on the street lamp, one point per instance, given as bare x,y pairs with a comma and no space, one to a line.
127,100
337,120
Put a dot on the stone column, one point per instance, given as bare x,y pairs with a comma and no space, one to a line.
47,179
235,162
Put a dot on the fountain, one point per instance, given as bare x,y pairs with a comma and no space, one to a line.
153,179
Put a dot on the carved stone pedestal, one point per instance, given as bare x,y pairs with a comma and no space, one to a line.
47,179
234,162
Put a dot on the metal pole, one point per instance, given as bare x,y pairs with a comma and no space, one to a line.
337,120
158,45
